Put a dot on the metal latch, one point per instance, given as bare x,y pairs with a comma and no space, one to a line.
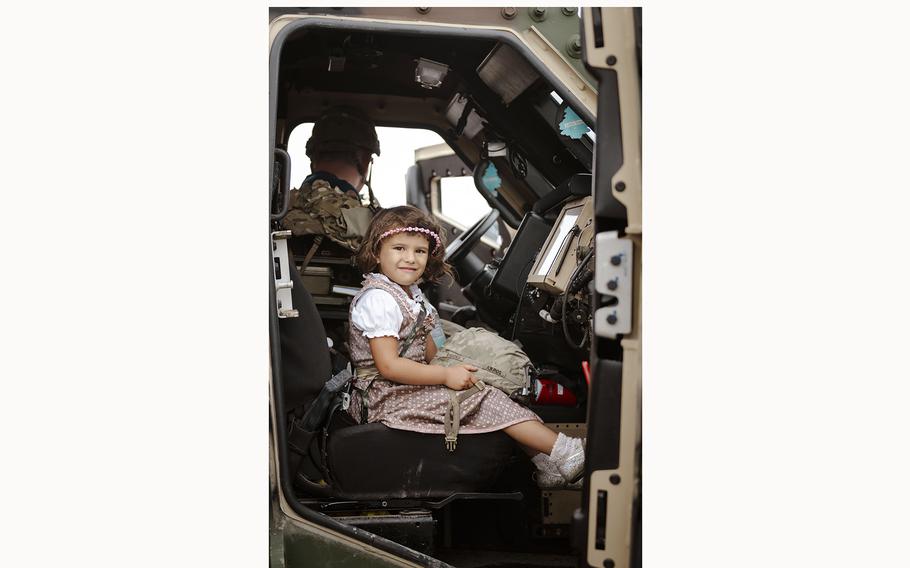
282,272
613,277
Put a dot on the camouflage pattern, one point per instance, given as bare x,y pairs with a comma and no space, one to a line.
500,362
319,208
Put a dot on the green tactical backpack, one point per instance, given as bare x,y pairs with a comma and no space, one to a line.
500,362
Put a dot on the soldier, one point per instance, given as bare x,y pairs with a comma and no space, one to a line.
328,202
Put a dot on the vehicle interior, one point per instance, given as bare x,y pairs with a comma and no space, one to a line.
528,146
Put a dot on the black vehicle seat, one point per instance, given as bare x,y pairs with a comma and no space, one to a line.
373,461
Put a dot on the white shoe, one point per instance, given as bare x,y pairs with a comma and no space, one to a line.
568,455
547,475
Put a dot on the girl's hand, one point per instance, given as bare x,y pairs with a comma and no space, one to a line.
460,377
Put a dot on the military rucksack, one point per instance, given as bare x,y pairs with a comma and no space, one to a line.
319,208
500,362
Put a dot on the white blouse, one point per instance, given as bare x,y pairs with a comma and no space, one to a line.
376,312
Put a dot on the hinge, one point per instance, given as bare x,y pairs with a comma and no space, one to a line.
613,277
282,273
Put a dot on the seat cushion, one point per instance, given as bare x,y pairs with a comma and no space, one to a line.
373,461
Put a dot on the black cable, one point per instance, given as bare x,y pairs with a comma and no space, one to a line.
571,289
520,298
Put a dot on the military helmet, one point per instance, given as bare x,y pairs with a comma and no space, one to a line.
343,128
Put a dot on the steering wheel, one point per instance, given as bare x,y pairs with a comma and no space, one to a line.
462,245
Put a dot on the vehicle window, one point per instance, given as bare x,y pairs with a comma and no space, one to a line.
459,203
397,146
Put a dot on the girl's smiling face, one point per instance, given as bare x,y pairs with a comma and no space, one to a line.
403,257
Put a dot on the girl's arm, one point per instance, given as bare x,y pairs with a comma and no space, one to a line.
407,372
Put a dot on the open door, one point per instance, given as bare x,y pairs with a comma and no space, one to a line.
610,524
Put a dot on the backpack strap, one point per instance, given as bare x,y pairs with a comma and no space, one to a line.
413,333
452,419
333,394
317,240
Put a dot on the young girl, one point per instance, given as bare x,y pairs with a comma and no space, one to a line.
389,326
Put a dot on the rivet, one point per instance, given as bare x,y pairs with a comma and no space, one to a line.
538,14
569,11
573,47
423,11
611,60
611,319
620,186
614,479
509,13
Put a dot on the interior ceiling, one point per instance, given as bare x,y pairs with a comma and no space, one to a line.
375,63
378,76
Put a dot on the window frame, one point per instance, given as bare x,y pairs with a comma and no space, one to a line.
435,209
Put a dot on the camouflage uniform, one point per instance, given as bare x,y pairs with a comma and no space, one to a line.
325,204
322,206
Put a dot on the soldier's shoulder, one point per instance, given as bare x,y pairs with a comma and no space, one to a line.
320,184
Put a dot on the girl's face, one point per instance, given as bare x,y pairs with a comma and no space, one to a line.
403,257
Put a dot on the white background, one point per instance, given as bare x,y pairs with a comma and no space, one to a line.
134,305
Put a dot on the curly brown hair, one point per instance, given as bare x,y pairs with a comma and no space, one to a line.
367,256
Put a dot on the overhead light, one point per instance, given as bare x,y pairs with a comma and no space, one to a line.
429,74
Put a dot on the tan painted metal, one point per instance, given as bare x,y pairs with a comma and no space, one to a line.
434,151
619,41
554,277
620,497
553,59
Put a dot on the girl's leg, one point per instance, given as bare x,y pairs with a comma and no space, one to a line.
532,434
567,454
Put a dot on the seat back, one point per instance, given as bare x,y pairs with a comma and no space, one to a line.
416,465
305,360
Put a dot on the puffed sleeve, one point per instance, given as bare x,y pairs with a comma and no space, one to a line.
377,314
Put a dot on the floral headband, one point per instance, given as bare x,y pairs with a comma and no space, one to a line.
413,229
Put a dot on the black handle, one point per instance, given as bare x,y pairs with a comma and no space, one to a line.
284,182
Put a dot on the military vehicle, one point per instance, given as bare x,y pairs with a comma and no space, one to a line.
541,108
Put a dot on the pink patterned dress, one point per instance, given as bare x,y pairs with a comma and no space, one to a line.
418,408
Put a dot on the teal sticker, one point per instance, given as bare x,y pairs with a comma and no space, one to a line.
572,126
491,179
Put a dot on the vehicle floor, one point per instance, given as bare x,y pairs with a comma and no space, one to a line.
499,559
